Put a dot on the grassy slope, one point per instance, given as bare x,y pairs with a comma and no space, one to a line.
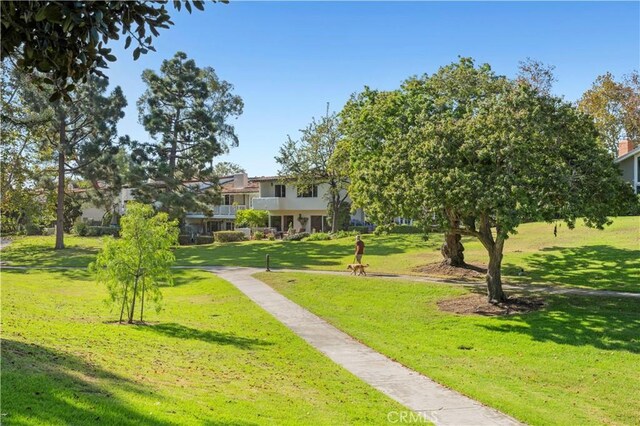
582,257
211,357
575,362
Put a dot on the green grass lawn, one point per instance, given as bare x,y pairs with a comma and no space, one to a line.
39,252
582,257
574,362
210,357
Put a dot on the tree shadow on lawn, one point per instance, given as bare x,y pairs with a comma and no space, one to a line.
289,254
38,255
179,331
597,267
604,323
51,387
187,277
79,273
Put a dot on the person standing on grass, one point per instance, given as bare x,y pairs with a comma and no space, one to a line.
359,249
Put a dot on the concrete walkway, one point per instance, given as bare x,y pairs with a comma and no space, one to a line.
527,288
436,403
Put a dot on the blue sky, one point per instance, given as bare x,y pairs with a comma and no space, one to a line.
288,59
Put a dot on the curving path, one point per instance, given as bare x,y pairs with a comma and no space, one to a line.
434,402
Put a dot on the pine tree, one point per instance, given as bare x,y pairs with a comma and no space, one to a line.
186,110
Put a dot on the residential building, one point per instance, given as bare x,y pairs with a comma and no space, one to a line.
237,194
288,207
304,210
629,162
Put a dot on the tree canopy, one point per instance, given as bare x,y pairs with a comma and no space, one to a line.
75,138
67,41
615,108
226,168
251,218
186,109
314,159
135,265
478,154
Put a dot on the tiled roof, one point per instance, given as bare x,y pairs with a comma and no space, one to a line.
228,188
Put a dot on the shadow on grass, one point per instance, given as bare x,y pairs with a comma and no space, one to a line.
294,254
604,323
51,387
37,255
597,267
179,331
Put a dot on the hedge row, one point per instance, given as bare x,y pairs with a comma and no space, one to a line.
228,236
296,237
406,229
84,230
359,229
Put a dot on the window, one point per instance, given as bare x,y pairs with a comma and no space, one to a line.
228,200
310,191
281,191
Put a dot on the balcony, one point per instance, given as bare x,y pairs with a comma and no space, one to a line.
267,203
219,212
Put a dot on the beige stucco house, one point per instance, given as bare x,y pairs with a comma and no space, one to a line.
303,210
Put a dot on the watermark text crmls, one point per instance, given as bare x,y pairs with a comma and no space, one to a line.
405,417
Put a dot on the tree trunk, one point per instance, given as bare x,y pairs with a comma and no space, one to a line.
133,300
174,146
494,276
334,216
142,301
60,199
124,301
452,250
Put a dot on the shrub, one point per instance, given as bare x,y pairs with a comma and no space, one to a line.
204,239
271,237
296,237
359,229
33,229
344,234
258,235
184,240
97,231
228,236
406,229
80,228
251,218
382,229
319,236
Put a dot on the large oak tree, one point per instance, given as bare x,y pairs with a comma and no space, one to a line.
479,154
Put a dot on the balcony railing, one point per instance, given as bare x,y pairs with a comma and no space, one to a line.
266,203
227,212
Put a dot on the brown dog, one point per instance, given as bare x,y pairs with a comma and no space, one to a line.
357,268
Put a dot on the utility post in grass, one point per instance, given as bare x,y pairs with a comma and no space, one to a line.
136,264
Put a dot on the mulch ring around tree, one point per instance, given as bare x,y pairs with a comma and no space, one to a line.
464,273
477,304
